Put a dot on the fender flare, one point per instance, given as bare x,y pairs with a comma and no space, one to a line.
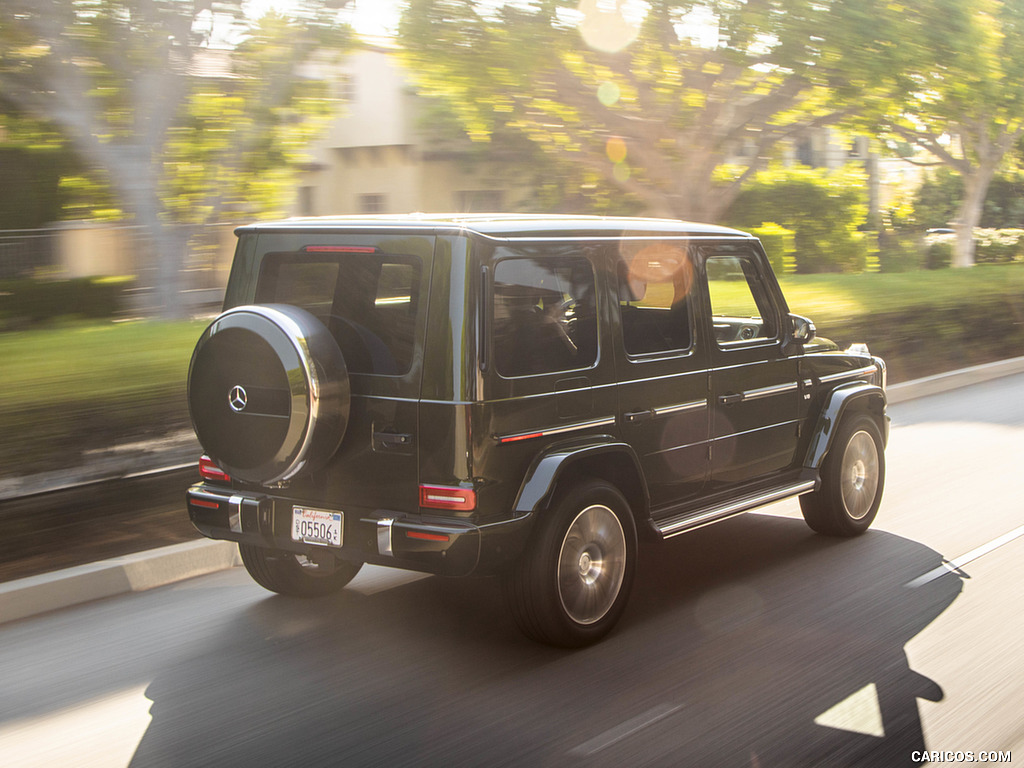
545,471
839,401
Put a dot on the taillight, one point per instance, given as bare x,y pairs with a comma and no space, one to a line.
446,497
210,471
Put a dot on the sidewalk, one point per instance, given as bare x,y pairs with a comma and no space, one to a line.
135,573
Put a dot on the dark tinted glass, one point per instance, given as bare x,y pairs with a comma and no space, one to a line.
545,318
369,301
655,285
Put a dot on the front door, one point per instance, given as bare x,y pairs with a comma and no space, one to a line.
755,386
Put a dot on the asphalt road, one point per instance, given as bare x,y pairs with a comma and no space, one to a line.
749,643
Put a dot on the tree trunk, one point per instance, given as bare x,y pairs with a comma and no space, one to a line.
975,188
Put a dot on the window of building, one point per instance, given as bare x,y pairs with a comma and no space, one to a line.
375,203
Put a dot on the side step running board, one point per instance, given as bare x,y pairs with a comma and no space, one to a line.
674,526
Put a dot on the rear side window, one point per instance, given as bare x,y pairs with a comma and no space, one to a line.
369,300
545,315
654,300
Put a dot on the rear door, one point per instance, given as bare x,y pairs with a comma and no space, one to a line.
370,291
662,366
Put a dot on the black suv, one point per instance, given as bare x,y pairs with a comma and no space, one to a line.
516,395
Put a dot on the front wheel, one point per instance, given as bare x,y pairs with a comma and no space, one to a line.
571,585
296,575
852,479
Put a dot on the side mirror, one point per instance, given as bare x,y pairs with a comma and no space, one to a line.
801,329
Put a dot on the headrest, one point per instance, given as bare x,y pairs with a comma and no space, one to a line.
631,289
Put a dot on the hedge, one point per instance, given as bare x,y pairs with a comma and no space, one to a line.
33,302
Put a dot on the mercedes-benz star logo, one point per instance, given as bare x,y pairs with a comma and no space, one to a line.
237,398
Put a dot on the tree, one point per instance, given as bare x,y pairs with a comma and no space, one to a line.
115,78
967,104
656,103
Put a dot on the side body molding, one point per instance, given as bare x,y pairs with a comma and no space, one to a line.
600,451
861,395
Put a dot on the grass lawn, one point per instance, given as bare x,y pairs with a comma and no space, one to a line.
76,387
86,361
71,388
829,299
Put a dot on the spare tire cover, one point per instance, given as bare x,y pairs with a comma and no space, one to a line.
268,392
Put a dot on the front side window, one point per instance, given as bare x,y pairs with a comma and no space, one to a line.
545,315
740,307
367,299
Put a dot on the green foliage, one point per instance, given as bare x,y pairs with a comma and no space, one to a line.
779,244
32,302
998,246
823,210
899,252
112,80
636,94
965,106
939,253
237,149
938,199
31,196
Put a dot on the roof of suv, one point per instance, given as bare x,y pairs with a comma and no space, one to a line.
503,226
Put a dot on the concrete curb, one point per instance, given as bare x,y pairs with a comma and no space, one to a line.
145,570
31,596
944,382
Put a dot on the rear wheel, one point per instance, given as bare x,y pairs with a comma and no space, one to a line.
852,479
571,585
296,575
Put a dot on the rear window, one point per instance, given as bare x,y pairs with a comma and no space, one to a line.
545,315
368,299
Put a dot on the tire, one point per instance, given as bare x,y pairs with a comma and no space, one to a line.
294,575
571,585
268,393
852,479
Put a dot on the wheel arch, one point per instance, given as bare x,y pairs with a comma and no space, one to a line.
609,460
857,397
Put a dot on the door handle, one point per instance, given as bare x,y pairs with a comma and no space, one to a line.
731,398
391,441
637,416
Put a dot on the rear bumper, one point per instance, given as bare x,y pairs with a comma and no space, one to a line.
412,542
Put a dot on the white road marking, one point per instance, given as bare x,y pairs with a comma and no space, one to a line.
628,728
952,566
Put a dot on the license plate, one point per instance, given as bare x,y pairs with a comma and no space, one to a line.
317,526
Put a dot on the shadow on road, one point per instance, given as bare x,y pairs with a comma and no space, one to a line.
751,643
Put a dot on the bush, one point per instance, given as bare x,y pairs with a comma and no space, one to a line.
899,253
998,246
823,210
32,302
937,201
939,253
778,244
